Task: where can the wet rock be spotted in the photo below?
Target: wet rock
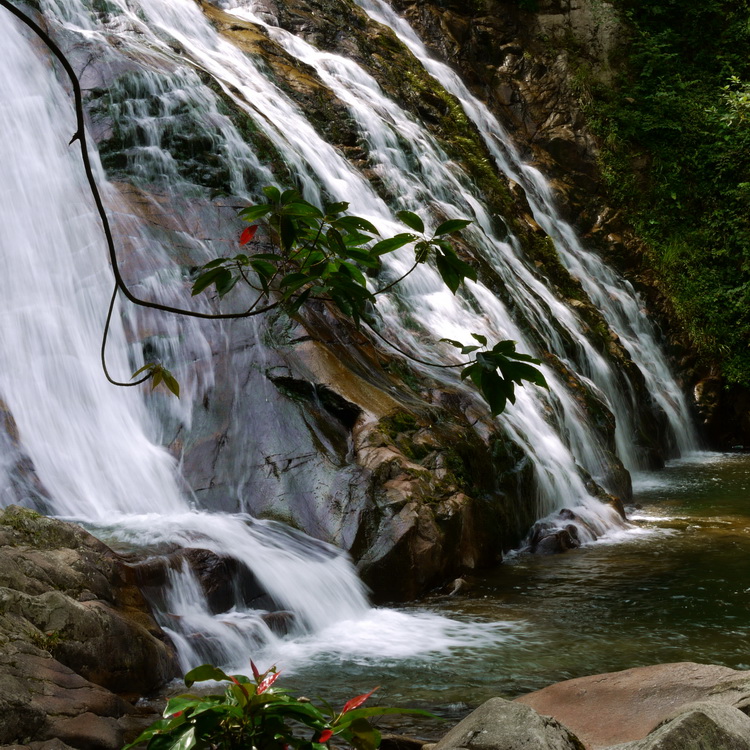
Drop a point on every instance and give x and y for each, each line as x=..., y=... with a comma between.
x=556, y=542
x=281, y=623
x=225, y=581
x=501, y=725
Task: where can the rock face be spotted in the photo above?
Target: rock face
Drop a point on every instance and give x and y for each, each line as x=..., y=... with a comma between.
x=700, y=726
x=619, y=707
x=360, y=450
x=501, y=725
x=76, y=638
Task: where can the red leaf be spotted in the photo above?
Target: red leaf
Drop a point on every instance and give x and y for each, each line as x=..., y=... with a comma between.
x=256, y=673
x=234, y=679
x=247, y=234
x=325, y=735
x=267, y=682
x=358, y=701
x=177, y=713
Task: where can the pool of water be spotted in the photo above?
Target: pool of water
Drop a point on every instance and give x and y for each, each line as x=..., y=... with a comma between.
x=675, y=587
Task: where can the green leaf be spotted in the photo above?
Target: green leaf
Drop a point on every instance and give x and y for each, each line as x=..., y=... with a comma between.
x=353, y=223
x=302, y=209
x=185, y=741
x=411, y=220
x=253, y=213
x=422, y=251
x=364, y=713
x=140, y=370
x=363, y=736
x=157, y=377
x=205, y=280
x=293, y=281
x=447, y=272
x=481, y=339
x=213, y=264
x=288, y=232
x=336, y=208
x=356, y=239
x=493, y=389
x=225, y=281
x=272, y=193
x=171, y=382
x=393, y=243
x=453, y=342
x=453, y=270
x=452, y=225
x=504, y=347
x=290, y=196
x=336, y=242
x=204, y=673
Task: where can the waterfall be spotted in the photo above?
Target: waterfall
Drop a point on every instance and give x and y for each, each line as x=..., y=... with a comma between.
x=96, y=452
x=613, y=296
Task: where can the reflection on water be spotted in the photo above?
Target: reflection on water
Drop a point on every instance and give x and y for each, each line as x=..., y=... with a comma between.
x=677, y=588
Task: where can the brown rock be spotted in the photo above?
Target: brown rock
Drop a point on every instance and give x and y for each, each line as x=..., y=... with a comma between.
x=87, y=731
x=618, y=707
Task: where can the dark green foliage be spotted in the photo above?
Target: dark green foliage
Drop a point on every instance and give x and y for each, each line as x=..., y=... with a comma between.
x=496, y=372
x=320, y=256
x=677, y=155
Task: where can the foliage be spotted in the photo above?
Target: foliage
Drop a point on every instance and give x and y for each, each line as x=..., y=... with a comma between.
x=676, y=137
x=325, y=254
x=496, y=372
x=254, y=714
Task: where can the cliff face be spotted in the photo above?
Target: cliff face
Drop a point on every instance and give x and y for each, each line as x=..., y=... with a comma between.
x=306, y=421
x=536, y=65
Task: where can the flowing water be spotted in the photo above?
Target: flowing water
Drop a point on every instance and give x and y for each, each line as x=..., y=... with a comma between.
x=97, y=451
x=673, y=588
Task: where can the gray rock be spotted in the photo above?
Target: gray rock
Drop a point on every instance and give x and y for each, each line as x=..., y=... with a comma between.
x=501, y=725
x=700, y=726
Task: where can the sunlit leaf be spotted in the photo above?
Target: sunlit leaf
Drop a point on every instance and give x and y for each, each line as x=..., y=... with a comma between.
x=356, y=702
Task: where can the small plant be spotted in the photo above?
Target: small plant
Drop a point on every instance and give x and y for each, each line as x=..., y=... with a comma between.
x=252, y=713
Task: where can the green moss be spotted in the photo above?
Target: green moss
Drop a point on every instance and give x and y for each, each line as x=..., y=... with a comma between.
x=398, y=422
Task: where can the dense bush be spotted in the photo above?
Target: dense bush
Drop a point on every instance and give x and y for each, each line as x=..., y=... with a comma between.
x=676, y=134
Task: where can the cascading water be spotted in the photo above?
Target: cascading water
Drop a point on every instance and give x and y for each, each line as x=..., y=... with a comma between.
x=612, y=295
x=95, y=449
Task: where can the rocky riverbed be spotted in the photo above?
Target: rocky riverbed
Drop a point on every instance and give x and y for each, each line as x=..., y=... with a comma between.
x=79, y=648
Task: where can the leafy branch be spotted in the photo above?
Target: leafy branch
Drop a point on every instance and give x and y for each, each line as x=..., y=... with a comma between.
x=324, y=254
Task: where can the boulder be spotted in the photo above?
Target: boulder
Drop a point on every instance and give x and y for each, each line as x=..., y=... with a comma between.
x=619, y=707
x=699, y=726
x=77, y=639
x=501, y=725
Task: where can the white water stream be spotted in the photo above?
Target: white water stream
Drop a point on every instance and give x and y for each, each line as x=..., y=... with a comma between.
x=96, y=449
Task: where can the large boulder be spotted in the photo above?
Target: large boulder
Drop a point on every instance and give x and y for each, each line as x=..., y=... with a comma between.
x=501, y=725
x=77, y=640
x=619, y=707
